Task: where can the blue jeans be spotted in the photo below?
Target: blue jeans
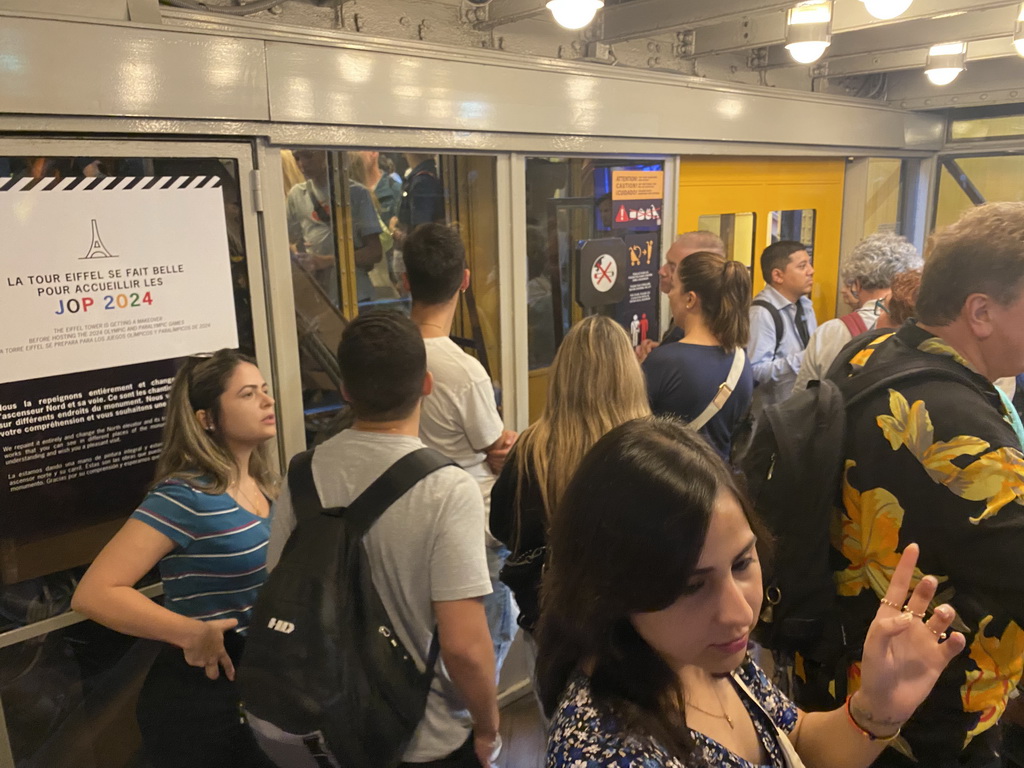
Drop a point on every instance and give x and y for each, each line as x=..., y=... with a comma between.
x=500, y=608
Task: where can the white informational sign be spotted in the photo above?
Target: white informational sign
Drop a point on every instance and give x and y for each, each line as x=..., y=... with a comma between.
x=110, y=276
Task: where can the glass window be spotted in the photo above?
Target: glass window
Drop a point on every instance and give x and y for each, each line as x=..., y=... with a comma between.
x=737, y=231
x=986, y=128
x=72, y=692
x=574, y=206
x=792, y=225
x=348, y=214
x=882, y=205
x=969, y=181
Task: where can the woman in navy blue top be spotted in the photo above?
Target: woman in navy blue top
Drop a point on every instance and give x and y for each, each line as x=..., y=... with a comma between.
x=204, y=524
x=710, y=301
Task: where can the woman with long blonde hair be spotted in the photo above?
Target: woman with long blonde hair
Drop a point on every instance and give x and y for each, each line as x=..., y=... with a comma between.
x=596, y=384
x=204, y=524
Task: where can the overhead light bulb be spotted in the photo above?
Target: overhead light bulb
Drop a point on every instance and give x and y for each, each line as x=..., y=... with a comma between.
x=945, y=61
x=574, y=14
x=808, y=51
x=809, y=30
x=886, y=9
x=1018, y=31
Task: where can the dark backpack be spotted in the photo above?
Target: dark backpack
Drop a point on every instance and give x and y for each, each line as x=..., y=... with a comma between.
x=793, y=467
x=323, y=669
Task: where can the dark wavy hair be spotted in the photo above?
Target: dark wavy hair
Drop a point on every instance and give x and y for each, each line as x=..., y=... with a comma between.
x=626, y=539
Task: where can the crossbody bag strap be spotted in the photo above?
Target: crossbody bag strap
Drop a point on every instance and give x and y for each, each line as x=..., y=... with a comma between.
x=725, y=390
x=776, y=314
x=789, y=752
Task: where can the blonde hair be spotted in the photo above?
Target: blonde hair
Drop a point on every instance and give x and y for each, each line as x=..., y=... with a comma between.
x=193, y=454
x=596, y=384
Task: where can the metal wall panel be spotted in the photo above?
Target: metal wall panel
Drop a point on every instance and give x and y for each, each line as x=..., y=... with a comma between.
x=85, y=68
x=110, y=69
x=327, y=84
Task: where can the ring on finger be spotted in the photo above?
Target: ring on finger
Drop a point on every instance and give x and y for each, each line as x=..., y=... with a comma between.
x=907, y=609
x=891, y=604
x=940, y=635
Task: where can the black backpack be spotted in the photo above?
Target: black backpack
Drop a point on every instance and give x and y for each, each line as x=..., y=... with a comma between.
x=792, y=467
x=323, y=669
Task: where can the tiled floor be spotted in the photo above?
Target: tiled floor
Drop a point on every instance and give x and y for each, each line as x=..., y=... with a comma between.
x=522, y=733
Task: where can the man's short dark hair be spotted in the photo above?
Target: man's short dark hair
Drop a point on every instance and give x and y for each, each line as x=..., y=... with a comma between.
x=776, y=256
x=383, y=363
x=983, y=252
x=435, y=260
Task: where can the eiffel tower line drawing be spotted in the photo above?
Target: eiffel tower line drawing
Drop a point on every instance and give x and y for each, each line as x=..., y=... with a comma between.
x=98, y=250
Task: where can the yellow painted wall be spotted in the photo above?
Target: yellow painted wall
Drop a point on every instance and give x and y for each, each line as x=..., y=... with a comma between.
x=710, y=186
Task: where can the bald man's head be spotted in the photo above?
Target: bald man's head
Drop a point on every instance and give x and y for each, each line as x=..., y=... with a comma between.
x=685, y=244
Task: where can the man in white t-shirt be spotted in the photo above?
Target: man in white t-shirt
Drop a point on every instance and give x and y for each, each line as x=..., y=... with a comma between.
x=460, y=418
x=426, y=552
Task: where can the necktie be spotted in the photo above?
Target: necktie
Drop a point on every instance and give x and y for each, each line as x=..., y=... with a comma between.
x=801, y=325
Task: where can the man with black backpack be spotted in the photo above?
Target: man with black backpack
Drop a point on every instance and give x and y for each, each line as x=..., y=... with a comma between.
x=932, y=454
x=425, y=556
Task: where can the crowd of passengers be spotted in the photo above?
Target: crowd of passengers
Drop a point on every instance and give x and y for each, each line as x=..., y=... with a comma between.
x=620, y=524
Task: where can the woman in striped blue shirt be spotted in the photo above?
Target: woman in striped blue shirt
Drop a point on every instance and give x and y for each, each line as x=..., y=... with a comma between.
x=205, y=525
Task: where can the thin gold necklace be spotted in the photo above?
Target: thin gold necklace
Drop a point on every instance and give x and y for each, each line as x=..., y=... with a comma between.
x=723, y=716
x=248, y=499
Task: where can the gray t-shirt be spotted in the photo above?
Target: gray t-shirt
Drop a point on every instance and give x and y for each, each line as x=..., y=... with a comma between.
x=428, y=546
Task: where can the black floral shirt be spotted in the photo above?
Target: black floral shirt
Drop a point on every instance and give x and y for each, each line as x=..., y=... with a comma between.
x=582, y=735
x=937, y=462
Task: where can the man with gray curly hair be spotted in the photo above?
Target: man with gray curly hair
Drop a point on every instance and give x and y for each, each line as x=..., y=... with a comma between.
x=865, y=277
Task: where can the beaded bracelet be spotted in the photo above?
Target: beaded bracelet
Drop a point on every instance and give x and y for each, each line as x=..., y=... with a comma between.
x=864, y=732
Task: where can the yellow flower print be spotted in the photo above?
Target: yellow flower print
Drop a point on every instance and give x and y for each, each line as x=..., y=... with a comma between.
x=996, y=477
x=937, y=346
x=999, y=661
x=868, y=536
x=861, y=358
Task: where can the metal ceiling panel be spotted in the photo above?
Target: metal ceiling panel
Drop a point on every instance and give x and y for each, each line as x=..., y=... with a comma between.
x=320, y=84
x=85, y=68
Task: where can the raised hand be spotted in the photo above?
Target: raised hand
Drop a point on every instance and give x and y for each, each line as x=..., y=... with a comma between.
x=904, y=652
x=206, y=648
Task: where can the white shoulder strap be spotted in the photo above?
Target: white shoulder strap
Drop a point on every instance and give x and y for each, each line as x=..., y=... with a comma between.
x=725, y=389
x=789, y=752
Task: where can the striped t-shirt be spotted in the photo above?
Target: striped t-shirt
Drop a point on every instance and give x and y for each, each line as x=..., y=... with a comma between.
x=219, y=562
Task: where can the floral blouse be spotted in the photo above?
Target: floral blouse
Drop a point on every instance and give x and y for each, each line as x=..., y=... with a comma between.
x=584, y=736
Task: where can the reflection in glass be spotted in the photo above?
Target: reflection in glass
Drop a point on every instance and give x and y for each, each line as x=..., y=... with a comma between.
x=69, y=698
x=570, y=201
x=792, y=225
x=737, y=231
x=347, y=253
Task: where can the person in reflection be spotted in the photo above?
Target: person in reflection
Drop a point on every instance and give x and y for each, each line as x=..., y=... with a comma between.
x=311, y=227
x=422, y=195
x=204, y=524
x=385, y=188
x=652, y=589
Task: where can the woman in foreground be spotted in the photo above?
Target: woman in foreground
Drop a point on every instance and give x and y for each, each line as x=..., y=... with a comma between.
x=653, y=588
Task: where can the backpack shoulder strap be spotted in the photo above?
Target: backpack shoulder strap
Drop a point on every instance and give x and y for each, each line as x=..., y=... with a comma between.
x=776, y=318
x=394, y=483
x=854, y=323
x=873, y=378
x=305, y=499
x=725, y=389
